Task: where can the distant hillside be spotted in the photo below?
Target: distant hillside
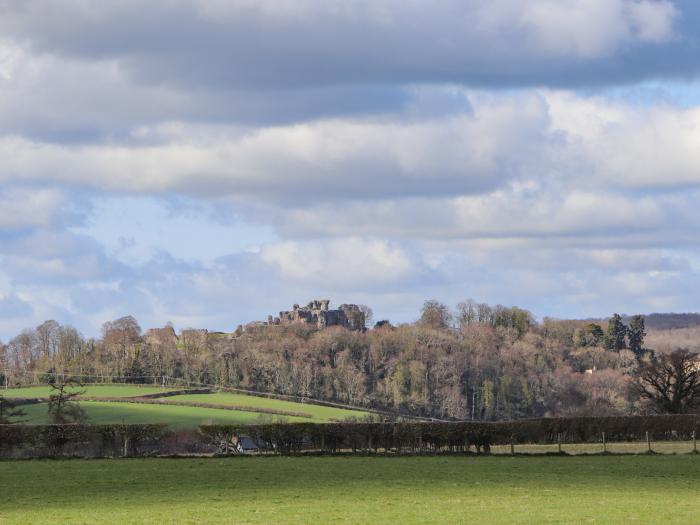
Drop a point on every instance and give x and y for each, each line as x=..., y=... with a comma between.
x=669, y=321
x=656, y=321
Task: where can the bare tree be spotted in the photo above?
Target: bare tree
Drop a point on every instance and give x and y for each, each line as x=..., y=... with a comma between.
x=121, y=337
x=466, y=313
x=435, y=314
x=47, y=338
x=368, y=313
x=670, y=382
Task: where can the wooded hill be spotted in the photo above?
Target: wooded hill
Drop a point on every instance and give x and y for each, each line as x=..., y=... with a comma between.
x=478, y=362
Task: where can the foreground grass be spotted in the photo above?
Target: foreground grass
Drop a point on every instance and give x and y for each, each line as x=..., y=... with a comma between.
x=179, y=417
x=90, y=390
x=406, y=490
x=317, y=412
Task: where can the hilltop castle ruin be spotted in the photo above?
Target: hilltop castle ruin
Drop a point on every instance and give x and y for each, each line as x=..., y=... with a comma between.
x=317, y=313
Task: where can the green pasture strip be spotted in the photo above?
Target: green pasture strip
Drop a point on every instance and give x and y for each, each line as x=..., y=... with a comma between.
x=318, y=412
x=90, y=390
x=179, y=417
x=406, y=490
x=632, y=447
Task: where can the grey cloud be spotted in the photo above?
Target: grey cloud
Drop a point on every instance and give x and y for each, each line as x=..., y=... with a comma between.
x=60, y=99
x=50, y=257
x=272, y=45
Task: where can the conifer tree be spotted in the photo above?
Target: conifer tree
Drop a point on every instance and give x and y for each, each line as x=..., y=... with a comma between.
x=615, y=334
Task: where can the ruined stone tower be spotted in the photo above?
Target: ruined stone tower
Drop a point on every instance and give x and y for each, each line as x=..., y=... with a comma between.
x=317, y=313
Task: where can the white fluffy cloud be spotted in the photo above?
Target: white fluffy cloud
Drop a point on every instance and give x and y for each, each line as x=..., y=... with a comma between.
x=506, y=146
x=351, y=263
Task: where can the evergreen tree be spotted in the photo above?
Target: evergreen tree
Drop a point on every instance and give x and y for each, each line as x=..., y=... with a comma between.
x=63, y=408
x=635, y=335
x=615, y=335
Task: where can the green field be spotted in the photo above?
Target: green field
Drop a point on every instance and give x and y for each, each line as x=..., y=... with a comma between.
x=90, y=390
x=317, y=412
x=178, y=416
x=175, y=416
x=627, y=447
x=484, y=490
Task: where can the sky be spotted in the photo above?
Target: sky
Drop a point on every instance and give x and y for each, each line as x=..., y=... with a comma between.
x=210, y=162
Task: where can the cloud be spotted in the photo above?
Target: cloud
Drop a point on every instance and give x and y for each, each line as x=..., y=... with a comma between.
x=351, y=263
x=352, y=157
x=273, y=45
x=524, y=138
x=12, y=307
x=211, y=162
x=24, y=207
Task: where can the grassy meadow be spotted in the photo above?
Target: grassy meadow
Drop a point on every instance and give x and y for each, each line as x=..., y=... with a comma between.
x=90, y=390
x=407, y=490
x=317, y=412
x=180, y=417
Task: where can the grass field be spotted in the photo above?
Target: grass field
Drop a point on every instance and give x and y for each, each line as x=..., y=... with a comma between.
x=632, y=447
x=90, y=390
x=317, y=412
x=407, y=490
x=175, y=416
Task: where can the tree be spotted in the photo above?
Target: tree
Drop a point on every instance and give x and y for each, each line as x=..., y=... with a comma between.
x=635, y=335
x=670, y=382
x=9, y=410
x=466, y=313
x=591, y=335
x=368, y=313
x=62, y=407
x=435, y=314
x=615, y=334
x=47, y=338
x=121, y=338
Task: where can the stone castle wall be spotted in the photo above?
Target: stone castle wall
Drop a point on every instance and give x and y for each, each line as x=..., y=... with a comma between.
x=318, y=313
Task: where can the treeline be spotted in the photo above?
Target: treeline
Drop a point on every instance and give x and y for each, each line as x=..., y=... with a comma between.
x=477, y=362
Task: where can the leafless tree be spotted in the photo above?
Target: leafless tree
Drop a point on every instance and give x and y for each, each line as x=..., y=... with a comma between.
x=670, y=382
x=47, y=338
x=435, y=314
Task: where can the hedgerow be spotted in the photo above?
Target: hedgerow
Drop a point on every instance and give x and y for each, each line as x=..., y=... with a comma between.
x=361, y=437
x=80, y=440
x=452, y=436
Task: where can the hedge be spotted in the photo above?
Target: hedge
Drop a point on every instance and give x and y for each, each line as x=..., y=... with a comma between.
x=451, y=436
x=79, y=440
x=289, y=438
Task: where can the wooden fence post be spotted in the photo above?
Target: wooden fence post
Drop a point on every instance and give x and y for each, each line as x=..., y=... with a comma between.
x=559, y=442
x=512, y=446
x=605, y=446
x=695, y=443
x=648, y=442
